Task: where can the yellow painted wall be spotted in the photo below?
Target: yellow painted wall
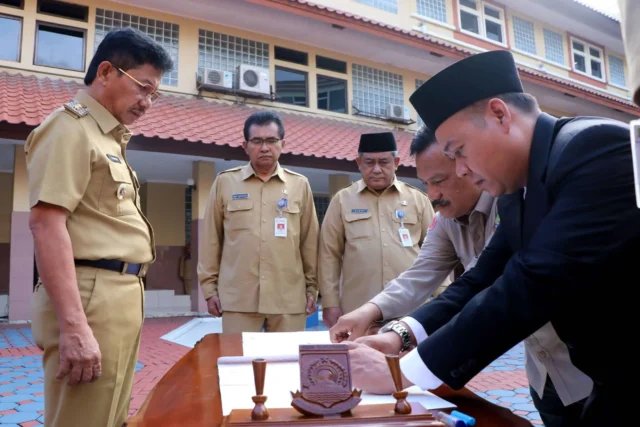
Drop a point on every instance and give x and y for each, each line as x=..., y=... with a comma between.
x=6, y=197
x=165, y=212
x=406, y=18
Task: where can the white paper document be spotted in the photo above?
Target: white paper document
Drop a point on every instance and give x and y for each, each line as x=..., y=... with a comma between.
x=282, y=377
x=261, y=344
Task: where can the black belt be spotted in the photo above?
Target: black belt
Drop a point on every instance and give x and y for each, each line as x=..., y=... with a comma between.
x=122, y=267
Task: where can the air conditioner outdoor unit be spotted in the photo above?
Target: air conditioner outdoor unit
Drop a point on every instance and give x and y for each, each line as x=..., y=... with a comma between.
x=397, y=111
x=253, y=79
x=218, y=78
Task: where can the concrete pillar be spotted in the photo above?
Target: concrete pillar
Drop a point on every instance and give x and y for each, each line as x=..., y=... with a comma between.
x=21, y=254
x=203, y=175
x=337, y=182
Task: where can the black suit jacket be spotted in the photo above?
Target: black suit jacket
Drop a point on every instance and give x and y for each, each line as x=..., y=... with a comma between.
x=559, y=255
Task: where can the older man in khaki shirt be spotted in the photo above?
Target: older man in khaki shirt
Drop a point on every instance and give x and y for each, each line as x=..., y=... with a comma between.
x=92, y=242
x=458, y=235
x=372, y=230
x=257, y=263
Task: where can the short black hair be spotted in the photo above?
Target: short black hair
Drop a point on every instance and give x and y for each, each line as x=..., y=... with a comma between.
x=424, y=139
x=262, y=118
x=128, y=48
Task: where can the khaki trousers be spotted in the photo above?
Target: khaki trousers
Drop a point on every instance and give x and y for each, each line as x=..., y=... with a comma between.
x=235, y=322
x=113, y=304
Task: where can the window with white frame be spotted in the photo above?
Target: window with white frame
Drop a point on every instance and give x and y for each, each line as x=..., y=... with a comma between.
x=482, y=19
x=553, y=46
x=165, y=33
x=587, y=59
x=524, y=35
x=374, y=89
x=225, y=53
x=386, y=5
x=418, y=84
x=433, y=9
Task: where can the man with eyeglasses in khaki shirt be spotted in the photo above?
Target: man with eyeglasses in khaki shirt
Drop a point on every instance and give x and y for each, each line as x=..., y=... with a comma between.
x=257, y=262
x=93, y=244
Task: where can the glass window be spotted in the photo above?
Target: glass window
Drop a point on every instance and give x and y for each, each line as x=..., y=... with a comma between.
x=13, y=3
x=223, y=52
x=524, y=34
x=434, y=9
x=165, y=33
x=331, y=64
x=386, y=5
x=374, y=89
x=587, y=59
x=10, y=31
x=332, y=94
x=554, y=46
x=291, y=55
x=616, y=71
x=63, y=9
x=59, y=47
x=486, y=21
x=291, y=86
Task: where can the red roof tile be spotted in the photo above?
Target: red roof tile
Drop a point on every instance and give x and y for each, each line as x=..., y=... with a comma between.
x=29, y=99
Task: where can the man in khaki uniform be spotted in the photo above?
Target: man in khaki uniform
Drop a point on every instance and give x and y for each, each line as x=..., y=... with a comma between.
x=372, y=230
x=465, y=222
x=257, y=263
x=629, y=18
x=93, y=244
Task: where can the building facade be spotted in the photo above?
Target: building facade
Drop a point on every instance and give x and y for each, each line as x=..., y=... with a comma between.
x=333, y=69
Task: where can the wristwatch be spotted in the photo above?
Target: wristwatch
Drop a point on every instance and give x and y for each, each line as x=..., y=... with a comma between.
x=400, y=329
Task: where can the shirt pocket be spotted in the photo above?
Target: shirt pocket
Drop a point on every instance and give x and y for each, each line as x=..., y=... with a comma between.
x=292, y=213
x=359, y=226
x=118, y=192
x=410, y=222
x=239, y=214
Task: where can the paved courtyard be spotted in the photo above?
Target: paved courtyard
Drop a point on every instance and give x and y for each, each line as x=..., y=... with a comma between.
x=21, y=379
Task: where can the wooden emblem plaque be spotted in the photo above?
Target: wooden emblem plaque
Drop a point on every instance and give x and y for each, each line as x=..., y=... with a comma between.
x=325, y=381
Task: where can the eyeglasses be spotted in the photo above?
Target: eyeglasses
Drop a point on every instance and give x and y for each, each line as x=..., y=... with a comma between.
x=260, y=141
x=145, y=86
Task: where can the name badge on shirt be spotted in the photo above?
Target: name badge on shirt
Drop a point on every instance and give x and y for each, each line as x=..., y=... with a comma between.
x=281, y=227
x=359, y=211
x=405, y=237
x=239, y=196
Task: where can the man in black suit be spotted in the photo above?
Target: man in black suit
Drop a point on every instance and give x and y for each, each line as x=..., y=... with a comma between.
x=569, y=227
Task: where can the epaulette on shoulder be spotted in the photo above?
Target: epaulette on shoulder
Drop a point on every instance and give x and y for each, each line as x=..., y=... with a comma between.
x=77, y=109
x=293, y=173
x=415, y=188
x=230, y=170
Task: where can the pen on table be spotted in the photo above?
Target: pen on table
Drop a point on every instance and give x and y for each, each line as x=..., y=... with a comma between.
x=448, y=420
x=464, y=417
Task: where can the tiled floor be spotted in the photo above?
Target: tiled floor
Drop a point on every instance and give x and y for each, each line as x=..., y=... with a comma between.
x=22, y=394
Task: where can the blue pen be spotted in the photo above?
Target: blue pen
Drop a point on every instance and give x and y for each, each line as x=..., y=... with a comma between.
x=449, y=420
x=464, y=417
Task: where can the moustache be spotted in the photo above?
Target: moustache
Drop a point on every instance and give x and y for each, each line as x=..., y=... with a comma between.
x=442, y=203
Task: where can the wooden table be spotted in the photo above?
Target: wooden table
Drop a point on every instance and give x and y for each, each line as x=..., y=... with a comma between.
x=189, y=394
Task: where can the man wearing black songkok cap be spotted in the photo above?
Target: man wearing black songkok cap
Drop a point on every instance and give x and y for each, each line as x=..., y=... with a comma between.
x=569, y=222
x=360, y=238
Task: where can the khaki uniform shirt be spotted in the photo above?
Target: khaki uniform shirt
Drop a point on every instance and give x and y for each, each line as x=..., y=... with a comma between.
x=359, y=239
x=629, y=18
x=452, y=241
x=76, y=159
x=241, y=260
